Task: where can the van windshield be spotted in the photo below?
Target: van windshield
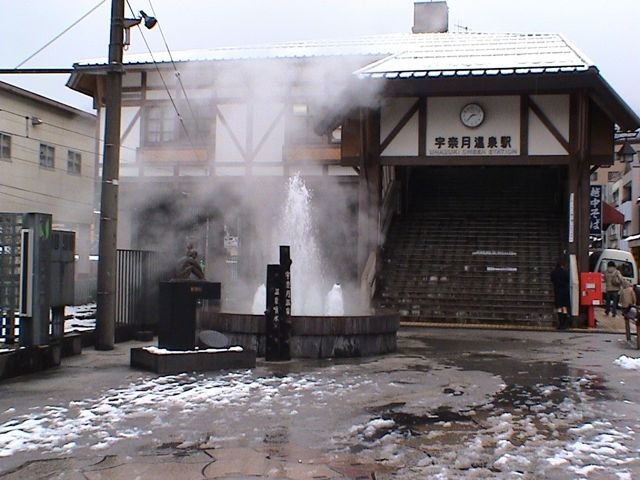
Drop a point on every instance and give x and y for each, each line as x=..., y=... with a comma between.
x=593, y=260
x=626, y=268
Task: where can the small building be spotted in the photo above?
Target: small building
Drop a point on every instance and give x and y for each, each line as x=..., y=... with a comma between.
x=48, y=164
x=449, y=170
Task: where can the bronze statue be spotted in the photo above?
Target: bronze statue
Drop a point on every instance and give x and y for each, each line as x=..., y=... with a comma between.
x=188, y=265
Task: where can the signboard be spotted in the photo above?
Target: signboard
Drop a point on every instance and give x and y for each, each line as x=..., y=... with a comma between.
x=492, y=144
x=473, y=126
x=571, y=217
x=278, y=313
x=595, y=210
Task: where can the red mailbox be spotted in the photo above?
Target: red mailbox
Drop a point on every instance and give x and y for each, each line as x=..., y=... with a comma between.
x=590, y=288
x=591, y=294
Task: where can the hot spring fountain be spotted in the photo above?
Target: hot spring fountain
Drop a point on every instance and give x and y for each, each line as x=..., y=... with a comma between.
x=319, y=326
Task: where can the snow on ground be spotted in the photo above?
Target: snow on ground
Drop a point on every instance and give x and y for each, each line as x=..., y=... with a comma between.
x=628, y=362
x=398, y=417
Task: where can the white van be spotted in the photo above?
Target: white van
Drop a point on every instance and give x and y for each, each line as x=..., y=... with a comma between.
x=624, y=261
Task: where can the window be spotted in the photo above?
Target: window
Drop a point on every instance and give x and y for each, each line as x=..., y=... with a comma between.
x=5, y=146
x=626, y=192
x=162, y=124
x=74, y=162
x=47, y=156
x=158, y=125
x=301, y=125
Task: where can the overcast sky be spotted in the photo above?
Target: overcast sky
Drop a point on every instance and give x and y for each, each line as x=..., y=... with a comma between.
x=607, y=32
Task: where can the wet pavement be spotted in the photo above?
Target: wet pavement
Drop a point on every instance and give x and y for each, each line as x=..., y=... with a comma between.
x=451, y=403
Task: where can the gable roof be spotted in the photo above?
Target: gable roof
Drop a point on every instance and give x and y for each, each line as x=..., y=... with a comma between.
x=421, y=56
x=480, y=54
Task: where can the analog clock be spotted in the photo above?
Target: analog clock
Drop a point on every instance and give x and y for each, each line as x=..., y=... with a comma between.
x=472, y=115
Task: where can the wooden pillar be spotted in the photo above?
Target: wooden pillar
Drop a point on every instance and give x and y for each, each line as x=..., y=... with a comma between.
x=579, y=180
x=369, y=188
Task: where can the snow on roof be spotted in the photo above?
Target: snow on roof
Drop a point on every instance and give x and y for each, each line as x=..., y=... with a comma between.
x=481, y=54
x=412, y=54
x=367, y=45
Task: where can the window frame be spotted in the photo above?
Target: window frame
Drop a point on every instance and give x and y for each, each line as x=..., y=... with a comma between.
x=74, y=159
x=161, y=125
x=47, y=155
x=5, y=148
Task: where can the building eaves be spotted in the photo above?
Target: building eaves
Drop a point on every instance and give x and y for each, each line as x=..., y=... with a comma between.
x=7, y=87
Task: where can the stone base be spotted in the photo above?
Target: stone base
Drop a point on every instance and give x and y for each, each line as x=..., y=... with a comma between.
x=311, y=336
x=190, y=361
x=71, y=344
x=22, y=361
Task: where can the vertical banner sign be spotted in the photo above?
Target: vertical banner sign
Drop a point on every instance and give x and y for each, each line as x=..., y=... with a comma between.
x=285, y=299
x=278, y=312
x=595, y=210
x=272, y=314
x=571, y=218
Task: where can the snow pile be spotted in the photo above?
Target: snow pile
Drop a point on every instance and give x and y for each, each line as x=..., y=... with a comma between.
x=79, y=318
x=164, y=351
x=628, y=362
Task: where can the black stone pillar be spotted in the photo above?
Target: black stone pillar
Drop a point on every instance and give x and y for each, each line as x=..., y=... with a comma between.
x=278, y=313
x=178, y=301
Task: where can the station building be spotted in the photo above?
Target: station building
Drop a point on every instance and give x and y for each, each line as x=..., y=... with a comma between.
x=449, y=171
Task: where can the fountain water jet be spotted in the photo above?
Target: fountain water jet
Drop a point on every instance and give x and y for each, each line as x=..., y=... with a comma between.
x=259, y=300
x=335, y=303
x=319, y=329
x=297, y=230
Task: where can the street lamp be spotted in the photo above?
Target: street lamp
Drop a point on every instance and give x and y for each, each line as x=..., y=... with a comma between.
x=107, y=245
x=149, y=22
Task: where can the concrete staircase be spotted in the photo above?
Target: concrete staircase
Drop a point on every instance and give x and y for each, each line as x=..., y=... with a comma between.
x=473, y=257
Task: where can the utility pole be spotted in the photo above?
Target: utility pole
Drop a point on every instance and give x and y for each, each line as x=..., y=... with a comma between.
x=106, y=311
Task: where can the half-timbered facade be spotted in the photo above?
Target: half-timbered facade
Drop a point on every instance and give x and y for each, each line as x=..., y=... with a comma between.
x=441, y=163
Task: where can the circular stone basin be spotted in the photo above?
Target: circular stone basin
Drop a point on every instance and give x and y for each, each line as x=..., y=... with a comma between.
x=311, y=336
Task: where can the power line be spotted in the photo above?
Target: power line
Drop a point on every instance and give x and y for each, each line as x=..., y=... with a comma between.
x=56, y=169
x=59, y=35
x=29, y=205
x=48, y=142
x=47, y=195
x=177, y=74
x=26, y=117
x=166, y=87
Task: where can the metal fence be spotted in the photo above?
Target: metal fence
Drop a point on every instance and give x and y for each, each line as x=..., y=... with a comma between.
x=10, y=227
x=138, y=273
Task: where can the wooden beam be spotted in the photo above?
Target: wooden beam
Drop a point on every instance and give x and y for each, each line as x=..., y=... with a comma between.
x=549, y=124
x=524, y=125
x=422, y=127
x=401, y=124
x=467, y=160
x=269, y=131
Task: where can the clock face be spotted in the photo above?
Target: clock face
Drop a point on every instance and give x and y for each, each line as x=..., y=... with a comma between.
x=472, y=115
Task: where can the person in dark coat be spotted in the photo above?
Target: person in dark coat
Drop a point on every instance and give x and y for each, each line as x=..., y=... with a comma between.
x=562, y=301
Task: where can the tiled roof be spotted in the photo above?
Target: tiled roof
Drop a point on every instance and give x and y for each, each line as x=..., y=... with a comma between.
x=481, y=54
x=376, y=45
x=406, y=54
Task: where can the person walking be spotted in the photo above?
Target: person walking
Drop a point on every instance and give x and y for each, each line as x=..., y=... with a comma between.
x=627, y=297
x=562, y=301
x=612, y=284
